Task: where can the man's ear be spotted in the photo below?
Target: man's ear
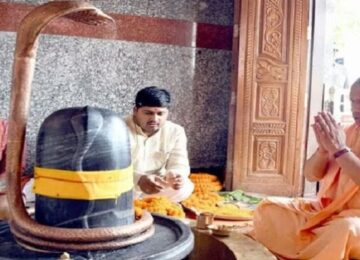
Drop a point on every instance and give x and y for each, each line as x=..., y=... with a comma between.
x=135, y=109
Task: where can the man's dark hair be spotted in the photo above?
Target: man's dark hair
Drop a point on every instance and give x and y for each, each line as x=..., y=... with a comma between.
x=152, y=97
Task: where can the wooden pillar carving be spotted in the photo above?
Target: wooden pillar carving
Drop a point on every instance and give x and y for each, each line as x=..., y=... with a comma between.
x=265, y=150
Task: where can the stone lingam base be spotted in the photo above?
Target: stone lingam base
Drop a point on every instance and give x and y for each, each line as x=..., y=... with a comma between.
x=172, y=240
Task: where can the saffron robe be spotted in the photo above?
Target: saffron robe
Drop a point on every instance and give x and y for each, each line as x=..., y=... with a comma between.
x=327, y=227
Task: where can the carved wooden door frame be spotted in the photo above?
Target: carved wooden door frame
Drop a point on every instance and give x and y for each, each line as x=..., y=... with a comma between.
x=267, y=110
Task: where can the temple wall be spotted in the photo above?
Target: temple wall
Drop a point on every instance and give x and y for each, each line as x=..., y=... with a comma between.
x=183, y=46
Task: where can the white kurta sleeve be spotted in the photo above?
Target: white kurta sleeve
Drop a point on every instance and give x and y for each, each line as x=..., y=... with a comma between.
x=178, y=161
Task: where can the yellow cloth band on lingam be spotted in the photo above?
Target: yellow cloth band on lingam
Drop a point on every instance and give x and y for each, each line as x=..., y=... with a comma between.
x=85, y=185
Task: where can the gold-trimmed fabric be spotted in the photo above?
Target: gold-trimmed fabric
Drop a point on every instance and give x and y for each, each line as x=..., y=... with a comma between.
x=86, y=185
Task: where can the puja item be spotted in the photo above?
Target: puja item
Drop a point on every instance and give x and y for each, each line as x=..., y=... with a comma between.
x=205, y=182
x=160, y=205
x=206, y=198
x=204, y=220
x=240, y=196
x=221, y=230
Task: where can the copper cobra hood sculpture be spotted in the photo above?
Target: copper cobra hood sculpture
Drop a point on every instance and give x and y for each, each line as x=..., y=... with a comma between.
x=24, y=228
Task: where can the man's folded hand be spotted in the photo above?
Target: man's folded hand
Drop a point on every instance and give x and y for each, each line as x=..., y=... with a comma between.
x=176, y=181
x=151, y=184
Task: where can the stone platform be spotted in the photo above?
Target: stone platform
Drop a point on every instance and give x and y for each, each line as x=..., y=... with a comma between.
x=172, y=240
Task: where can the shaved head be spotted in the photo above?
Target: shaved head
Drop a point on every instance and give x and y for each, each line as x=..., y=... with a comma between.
x=355, y=100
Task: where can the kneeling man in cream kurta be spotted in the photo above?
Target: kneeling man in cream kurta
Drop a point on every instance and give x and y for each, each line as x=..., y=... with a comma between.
x=158, y=147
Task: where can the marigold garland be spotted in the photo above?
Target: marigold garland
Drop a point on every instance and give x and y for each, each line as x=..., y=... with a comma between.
x=206, y=199
x=205, y=182
x=160, y=205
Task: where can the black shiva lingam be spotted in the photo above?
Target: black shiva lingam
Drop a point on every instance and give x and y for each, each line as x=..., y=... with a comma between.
x=83, y=175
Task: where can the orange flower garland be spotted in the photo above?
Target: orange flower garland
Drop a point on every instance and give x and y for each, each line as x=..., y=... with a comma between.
x=206, y=199
x=160, y=205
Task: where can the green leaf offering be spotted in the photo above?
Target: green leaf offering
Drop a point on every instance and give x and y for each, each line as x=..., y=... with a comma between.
x=239, y=195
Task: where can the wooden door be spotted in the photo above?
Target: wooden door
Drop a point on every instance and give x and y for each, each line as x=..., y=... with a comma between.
x=267, y=110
